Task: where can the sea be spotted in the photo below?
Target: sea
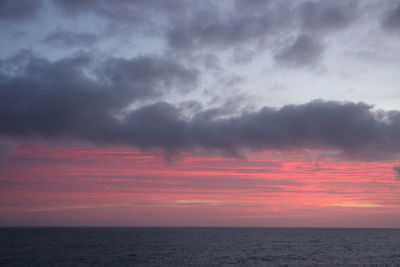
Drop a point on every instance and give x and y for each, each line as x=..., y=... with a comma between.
x=199, y=247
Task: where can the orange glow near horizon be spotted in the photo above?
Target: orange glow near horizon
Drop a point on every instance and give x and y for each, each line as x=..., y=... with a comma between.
x=44, y=185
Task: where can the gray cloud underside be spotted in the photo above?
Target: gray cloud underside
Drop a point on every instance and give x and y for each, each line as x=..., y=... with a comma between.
x=66, y=98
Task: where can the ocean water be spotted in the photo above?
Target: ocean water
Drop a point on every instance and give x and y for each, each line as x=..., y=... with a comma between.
x=198, y=247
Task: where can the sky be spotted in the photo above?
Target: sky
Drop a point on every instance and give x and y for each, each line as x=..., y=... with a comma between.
x=264, y=113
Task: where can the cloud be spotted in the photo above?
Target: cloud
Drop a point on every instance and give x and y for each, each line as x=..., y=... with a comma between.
x=210, y=27
x=190, y=25
x=64, y=98
x=19, y=10
x=245, y=28
x=253, y=5
x=327, y=16
x=126, y=15
x=63, y=38
x=53, y=100
x=391, y=20
x=305, y=51
x=75, y=6
x=349, y=127
x=196, y=25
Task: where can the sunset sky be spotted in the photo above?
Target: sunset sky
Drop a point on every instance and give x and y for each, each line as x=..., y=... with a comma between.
x=275, y=113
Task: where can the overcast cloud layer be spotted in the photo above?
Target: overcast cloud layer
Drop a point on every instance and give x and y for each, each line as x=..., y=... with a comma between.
x=160, y=74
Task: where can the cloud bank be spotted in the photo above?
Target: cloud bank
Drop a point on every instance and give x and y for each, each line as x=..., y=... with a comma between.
x=79, y=97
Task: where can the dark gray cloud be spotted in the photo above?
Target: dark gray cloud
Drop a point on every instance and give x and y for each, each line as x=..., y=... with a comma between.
x=76, y=6
x=256, y=6
x=19, y=10
x=67, y=39
x=250, y=22
x=59, y=99
x=44, y=98
x=245, y=27
x=391, y=20
x=305, y=51
x=125, y=15
x=209, y=26
x=147, y=76
x=349, y=127
x=107, y=8
x=190, y=25
x=326, y=16
x=203, y=24
x=122, y=9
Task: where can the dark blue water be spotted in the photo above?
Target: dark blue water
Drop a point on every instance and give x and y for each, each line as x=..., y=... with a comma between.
x=198, y=247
